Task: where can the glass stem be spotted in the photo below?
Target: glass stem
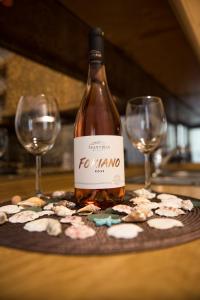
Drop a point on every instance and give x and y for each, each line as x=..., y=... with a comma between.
x=38, y=176
x=147, y=169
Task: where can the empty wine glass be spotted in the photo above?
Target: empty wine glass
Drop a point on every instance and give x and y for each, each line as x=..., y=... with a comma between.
x=146, y=126
x=3, y=141
x=37, y=124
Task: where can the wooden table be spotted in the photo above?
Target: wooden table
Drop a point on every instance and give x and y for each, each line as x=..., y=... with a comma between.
x=172, y=273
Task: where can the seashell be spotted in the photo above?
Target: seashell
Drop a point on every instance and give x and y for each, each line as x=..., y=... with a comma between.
x=48, y=206
x=3, y=218
x=79, y=232
x=150, y=206
x=85, y=213
x=123, y=208
x=143, y=209
x=169, y=211
x=89, y=208
x=74, y=220
x=140, y=200
x=108, y=221
x=16, y=199
x=54, y=227
x=46, y=213
x=124, y=231
x=164, y=223
x=10, y=209
x=145, y=193
x=187, y=205
x=63, y=211
x=66, y=203
x=37, y=225
x=33, y=201
x=164, y=197
x=58, y=194
x=175, y=203
x=24, y=216
x=135, y=216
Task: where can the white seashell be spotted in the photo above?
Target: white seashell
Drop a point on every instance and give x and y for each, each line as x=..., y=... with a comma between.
x=187, y=205
x=164, y=223
x=37, y=225
x=10, y=209
x=151, y=205
x=79, y=232
x=175, y=203
x=63, y=211
x=3, y=218
x=140, y=200
x=124, y=231
x=164, y=197
x=24, y=216
x=33, y=202
x=58, y=194
x=54, y=227
x=74, y=220
x=89, y=208
x=145, y=193
x=46, y=213
x=123, y=208
x=169, y=211
x=143, y=209
x=48, y=206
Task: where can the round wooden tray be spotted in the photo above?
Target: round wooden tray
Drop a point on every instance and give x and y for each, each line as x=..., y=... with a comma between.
x=13, y=235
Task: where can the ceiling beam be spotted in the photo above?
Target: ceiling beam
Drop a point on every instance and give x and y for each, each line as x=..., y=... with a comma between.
x=47, y=32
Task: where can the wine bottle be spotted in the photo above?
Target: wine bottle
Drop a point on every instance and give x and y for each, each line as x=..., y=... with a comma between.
x=98, y=144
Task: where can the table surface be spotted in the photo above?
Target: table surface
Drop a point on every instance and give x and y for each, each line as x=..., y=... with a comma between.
x=172, y=273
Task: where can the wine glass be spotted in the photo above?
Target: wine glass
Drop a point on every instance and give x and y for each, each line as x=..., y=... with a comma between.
x=37, y=124
x=146, y=126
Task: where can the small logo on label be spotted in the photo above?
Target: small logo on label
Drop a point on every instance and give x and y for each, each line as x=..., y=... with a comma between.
x=98, y=146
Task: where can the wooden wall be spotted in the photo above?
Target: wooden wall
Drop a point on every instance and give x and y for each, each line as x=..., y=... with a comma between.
x=26, y=77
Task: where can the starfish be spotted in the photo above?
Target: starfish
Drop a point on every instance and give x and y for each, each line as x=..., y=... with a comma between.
x=108, y=221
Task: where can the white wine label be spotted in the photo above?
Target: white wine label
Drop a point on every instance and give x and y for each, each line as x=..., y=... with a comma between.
x=99, y=162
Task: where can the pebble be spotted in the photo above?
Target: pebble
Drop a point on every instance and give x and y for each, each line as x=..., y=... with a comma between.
x=16, y=199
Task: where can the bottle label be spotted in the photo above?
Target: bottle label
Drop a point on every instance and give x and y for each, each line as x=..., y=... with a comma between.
x=99, y=162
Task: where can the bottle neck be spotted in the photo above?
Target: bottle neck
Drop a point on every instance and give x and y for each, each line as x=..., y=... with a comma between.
x=97, y=73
